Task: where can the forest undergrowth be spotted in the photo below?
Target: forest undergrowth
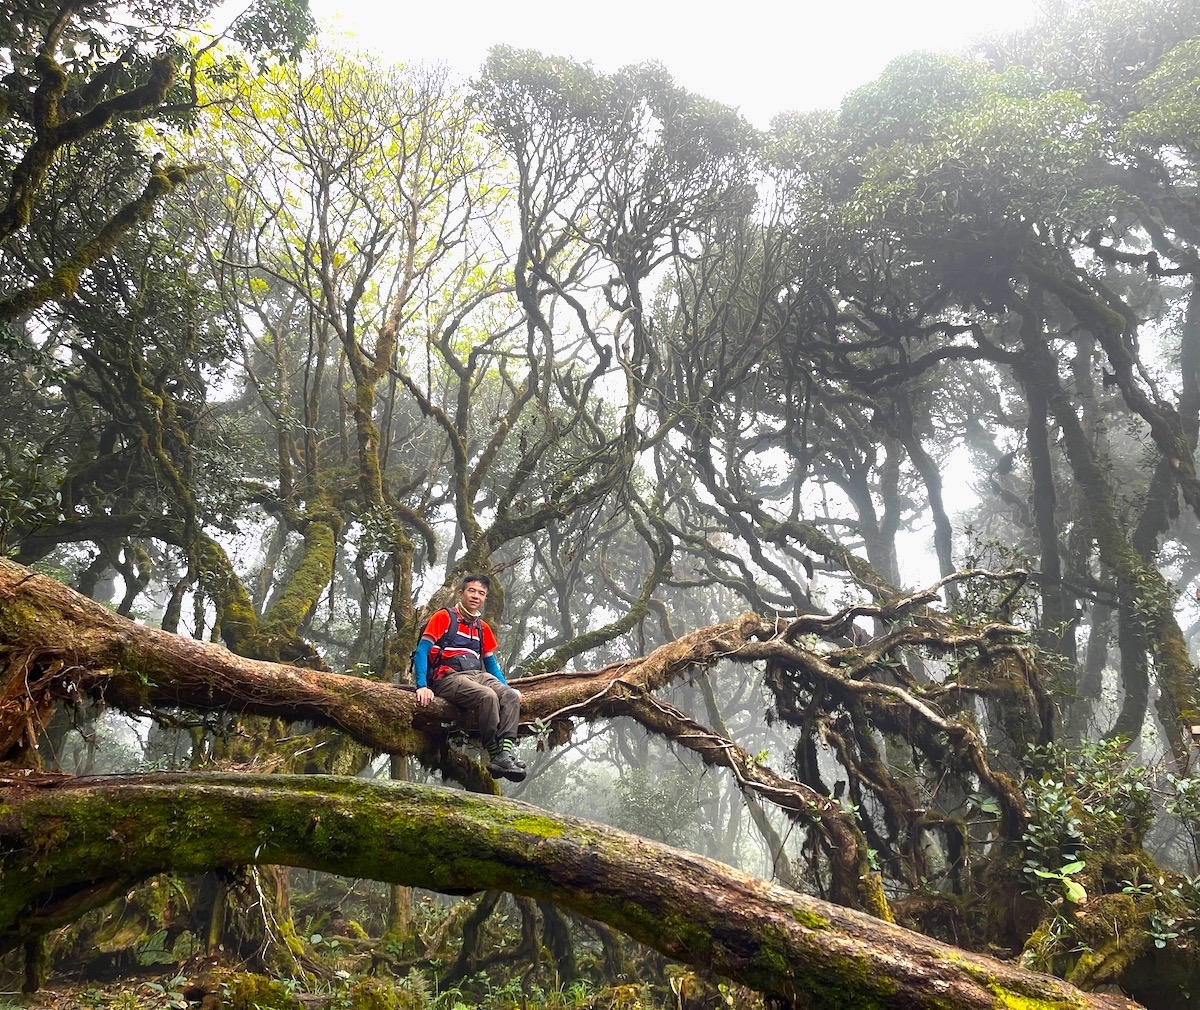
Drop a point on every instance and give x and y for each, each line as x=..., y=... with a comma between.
x=339, y=965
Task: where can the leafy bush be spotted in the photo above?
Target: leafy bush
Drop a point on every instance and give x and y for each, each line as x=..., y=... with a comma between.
x=1087, y=800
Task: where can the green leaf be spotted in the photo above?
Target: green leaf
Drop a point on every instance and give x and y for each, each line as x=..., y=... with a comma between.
x=1074, y=892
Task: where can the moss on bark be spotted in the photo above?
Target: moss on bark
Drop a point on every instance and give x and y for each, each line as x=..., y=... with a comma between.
x=57, y=843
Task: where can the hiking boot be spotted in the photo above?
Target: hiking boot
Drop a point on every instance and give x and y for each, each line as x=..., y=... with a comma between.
x=503, y=765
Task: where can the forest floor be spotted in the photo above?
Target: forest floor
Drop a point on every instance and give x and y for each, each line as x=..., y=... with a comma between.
x=229, y=992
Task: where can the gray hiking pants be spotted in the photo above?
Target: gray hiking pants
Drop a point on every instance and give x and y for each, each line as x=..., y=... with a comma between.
x=494, y=704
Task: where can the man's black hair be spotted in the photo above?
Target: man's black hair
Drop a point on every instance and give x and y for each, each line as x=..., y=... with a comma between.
x=470, y=577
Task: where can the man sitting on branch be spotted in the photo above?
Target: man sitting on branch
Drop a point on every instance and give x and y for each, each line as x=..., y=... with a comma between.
x=456, y=661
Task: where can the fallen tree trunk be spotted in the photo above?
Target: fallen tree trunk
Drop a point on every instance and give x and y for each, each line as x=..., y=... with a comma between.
x=68, y=844
x=55, y=643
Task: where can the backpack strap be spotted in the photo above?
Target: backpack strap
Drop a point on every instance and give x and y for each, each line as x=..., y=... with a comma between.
x=449, y=636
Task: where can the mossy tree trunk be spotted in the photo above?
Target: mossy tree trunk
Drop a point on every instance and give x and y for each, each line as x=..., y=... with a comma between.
x=70, y=844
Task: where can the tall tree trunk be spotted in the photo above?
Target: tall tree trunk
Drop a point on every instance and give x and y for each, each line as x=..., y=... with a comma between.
x=1142, y=584
x=400, y=898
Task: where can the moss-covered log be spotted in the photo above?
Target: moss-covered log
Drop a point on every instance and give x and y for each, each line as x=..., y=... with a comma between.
x=67, y=843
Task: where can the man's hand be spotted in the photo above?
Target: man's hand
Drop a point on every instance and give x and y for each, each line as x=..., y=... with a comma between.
x=424, y=696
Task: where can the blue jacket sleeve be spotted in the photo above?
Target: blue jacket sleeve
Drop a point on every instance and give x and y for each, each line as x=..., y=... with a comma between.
x=421, y=662
x=493, y=667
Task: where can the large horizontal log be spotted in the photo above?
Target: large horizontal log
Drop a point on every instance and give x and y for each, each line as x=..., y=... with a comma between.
x=55, y=642
x=68, y=843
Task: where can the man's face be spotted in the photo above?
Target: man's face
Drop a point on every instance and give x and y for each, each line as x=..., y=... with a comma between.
x=472, y=597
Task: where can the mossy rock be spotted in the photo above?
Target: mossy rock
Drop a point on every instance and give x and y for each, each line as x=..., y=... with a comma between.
x=373, y=994
x=1109, y=933
x=256, y=992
